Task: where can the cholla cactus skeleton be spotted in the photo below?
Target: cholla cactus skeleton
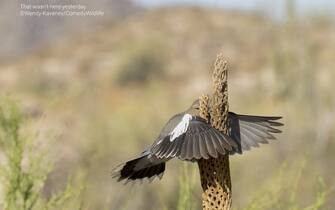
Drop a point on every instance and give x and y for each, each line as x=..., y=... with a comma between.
x=215, y=172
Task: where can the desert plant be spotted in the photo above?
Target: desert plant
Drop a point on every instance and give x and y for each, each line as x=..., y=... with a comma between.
x=283, y=190
x=185, y=199
x=25, y=169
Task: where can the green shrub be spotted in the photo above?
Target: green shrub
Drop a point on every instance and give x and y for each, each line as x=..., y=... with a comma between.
x=282, y=192
x=25, y=170
x=185, y=200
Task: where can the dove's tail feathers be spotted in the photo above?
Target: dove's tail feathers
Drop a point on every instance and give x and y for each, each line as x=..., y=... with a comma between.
x=139, y=169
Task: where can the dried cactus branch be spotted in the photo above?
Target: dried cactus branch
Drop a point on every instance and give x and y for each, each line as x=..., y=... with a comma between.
x=215, y=172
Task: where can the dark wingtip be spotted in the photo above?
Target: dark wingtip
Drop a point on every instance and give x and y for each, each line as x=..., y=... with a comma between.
x=275, y=123
x=274, y=117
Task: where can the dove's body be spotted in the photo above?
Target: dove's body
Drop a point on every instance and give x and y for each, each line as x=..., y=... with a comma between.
x=189, y=137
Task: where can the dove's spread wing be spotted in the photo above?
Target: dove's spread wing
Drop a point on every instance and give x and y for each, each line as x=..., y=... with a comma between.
x=191, y=138
x=250, y=131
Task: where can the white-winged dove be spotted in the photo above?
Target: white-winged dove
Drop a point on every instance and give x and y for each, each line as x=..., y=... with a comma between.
x=189, y=137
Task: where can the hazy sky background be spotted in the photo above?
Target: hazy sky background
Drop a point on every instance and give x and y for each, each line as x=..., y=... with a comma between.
x=273, y=8
x=22, y=35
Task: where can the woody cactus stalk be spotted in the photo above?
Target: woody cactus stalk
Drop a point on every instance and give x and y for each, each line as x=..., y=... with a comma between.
x=215, y=172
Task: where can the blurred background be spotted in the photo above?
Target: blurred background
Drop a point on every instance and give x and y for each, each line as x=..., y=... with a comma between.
x=98, y=89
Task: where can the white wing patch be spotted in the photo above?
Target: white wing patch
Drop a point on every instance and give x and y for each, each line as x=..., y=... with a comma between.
x=181, y=127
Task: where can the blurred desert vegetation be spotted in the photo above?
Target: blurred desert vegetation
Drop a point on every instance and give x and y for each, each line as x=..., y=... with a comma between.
x=95, y=98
